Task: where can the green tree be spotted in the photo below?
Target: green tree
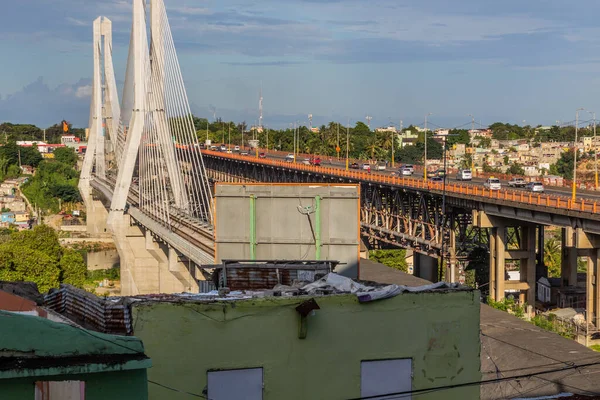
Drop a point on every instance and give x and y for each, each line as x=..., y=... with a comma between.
x=552, y=256
x=42, y=238
x=65, y=155
x=392, y=258
x=479, y=261
x=72, y=268
x=516, y=169
x=23, y=263
x=564, y=165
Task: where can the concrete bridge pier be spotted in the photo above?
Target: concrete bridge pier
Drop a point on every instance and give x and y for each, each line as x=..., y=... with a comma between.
x=147, y=267
x=578, y=243
x=521, y=247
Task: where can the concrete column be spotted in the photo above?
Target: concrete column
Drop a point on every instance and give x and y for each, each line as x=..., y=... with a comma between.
x=528, y=264
x=569, y=258
x=451, y=268
x=500, y=239
x=541, y=269
x=492, y=272
x=96, y=215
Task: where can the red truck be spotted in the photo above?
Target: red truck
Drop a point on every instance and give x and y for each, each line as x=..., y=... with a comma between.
x=316, y=161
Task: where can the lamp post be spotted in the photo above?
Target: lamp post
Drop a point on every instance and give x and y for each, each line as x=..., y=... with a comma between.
x=594, y=143
x=425, y=157
x=574, y=185
x=472, y=158
x=443, y=219
x=347, y=142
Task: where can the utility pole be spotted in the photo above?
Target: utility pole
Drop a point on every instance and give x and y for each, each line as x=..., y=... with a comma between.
x=242, y=129
x=207, y=139
x=229, y=138
x=574, y=185
x=595, y=153
x=347, y=142
x=369, y=118
x=472, y=155
x=425, y=158
x=19, y=152
x=267, y=139
x=294, y=142
x=44, y=136
x=337, y=147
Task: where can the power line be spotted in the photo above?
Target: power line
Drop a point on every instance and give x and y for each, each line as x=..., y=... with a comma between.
x=478, y=383
x=177, y=390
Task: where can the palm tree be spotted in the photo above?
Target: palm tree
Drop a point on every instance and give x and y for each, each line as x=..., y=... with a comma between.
x=552, y=256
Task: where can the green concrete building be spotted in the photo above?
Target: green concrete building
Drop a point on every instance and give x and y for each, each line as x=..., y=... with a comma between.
x=254, y=347
x=43, y=359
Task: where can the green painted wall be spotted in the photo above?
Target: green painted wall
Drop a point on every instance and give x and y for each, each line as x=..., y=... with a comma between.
x=439, y=331
x=122, y=385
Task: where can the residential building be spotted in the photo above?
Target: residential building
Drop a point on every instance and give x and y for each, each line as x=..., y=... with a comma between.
x=303, y=341
x=7, y=218
x=47, y=357
x=512, y=347
x=391, y=129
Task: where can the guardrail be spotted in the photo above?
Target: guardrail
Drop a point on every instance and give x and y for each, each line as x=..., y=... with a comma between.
x=536, y=199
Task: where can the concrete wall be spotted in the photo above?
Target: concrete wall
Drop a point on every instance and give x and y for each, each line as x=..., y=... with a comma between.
x=284, y=232
x=104, y=259
x=439, y=331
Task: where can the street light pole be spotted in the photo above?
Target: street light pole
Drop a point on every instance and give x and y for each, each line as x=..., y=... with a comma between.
x=472, y=158
x=347, y=142
x=425, y=158
x=574, y=185
x=595, y=153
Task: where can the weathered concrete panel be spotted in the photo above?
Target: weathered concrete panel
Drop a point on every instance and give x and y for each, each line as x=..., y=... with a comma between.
x=286, y=223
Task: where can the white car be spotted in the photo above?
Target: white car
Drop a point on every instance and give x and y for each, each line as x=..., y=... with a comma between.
x=289, y=158
x=366, y=167
x=306, y=161
x=380, y=167
x=236, y=148
x=535, y=187
x=406, y=171
x=492, y=184
x=410, y=167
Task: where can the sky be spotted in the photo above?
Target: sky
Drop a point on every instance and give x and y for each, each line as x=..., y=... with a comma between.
x=535, y=61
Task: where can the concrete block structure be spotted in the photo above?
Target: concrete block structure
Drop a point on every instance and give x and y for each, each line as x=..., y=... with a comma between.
x=252, y=346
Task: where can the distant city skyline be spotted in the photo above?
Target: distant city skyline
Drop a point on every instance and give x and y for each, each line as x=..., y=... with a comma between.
x=390, y=59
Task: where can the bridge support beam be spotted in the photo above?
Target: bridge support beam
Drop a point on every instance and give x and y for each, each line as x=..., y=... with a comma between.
x=521, y=248
x=147, y=266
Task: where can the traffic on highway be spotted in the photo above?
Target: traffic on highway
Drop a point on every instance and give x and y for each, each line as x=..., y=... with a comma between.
x=408, y=170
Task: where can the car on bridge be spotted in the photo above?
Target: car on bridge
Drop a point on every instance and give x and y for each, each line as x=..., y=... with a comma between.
x=405, y=171
x=262, y=155
x=243, y=153
x=354, y=166
x=464, y=175
x=492, y=184
x=366, y=167
x=289, y=158
x=437, y=179
x=316, y=161
x=223, y=147
x=380, y=167
x=517, y=183
x=236, y=148
x=535, y=187
x=410, y=167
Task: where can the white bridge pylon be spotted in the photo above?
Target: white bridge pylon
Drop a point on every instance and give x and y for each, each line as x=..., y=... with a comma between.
x=151, y=136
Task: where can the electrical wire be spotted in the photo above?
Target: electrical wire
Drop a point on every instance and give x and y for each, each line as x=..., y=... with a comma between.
x=472, y=383
x=177, y=390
